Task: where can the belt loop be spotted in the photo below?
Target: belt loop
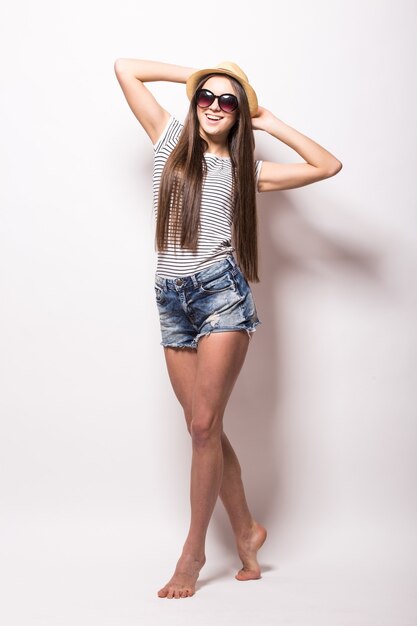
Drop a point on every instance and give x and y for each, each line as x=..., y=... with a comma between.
x=160, y=281
x=194, y=279
x=231, y=261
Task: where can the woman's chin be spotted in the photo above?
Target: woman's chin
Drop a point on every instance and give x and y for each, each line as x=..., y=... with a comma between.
x=214, y=129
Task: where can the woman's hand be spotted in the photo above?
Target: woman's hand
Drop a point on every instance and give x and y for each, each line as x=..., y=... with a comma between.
x=263, y=120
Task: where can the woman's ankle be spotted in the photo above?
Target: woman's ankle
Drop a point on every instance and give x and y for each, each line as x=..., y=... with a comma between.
x=193, y=551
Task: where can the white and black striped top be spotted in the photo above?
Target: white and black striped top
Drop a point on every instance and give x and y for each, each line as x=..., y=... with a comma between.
x=215, y=239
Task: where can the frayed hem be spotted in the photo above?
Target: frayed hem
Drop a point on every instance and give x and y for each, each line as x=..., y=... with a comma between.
x=178, y=345
x=249, y=331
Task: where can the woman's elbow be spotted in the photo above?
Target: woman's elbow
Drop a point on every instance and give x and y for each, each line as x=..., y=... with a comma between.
x=335, y=168
x=120, y=65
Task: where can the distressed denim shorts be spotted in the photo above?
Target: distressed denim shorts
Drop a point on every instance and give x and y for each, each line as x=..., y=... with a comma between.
x=216, y=299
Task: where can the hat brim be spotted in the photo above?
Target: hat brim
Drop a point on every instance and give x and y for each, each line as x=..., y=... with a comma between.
x=194, y=79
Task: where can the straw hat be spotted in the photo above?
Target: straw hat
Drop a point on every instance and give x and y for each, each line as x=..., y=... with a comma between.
x=230, y=69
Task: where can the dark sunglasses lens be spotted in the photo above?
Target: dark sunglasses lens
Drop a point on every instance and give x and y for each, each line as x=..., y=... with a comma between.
x=204, y=98
x=228, y=103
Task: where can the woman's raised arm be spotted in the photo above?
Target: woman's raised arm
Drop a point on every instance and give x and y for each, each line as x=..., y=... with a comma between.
x=132, y=73
x=277, y=176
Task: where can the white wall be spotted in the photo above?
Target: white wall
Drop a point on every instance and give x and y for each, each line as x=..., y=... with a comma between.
x=323, y=416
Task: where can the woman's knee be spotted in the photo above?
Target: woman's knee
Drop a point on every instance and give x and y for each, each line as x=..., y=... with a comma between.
x=205, y=429
x=188, y=419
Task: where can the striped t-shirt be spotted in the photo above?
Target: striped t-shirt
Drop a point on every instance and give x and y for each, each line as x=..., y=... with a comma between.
x=215, y=237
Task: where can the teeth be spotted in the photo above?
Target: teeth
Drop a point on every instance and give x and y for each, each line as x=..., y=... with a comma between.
x=212, y=117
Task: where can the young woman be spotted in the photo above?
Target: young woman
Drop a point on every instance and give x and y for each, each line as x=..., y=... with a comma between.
x=205, y=182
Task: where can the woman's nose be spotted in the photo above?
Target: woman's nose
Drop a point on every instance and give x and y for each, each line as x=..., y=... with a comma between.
x=215, y=104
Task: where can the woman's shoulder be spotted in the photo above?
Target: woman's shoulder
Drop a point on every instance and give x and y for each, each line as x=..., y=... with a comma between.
x=170, y=134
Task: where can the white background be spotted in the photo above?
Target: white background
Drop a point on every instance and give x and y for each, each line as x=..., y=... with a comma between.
x=94, y=450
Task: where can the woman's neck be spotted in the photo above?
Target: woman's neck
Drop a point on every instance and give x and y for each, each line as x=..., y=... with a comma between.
x=216, y=145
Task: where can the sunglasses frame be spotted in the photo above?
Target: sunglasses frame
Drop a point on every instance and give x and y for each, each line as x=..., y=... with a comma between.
x=211, y=94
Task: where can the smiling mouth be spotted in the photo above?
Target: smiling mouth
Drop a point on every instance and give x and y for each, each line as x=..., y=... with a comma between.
x=213, y=118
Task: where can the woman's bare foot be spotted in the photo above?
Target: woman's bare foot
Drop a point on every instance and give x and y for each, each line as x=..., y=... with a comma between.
x=182, y=584
x=248, y=546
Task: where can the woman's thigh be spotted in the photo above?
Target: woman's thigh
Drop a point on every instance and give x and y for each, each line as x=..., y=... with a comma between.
x=220, y=357
x=182, y=369
x=203, y=379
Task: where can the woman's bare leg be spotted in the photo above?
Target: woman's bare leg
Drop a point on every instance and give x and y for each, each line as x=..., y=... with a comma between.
x=249, y=534
x=203, y=381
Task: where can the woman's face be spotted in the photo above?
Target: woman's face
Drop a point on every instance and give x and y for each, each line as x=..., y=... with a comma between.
x=213, y=121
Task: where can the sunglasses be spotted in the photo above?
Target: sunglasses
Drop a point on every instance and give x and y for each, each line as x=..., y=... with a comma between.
x=227, y=101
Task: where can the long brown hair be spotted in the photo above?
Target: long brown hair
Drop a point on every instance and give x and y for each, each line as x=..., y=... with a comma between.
x=179, y=197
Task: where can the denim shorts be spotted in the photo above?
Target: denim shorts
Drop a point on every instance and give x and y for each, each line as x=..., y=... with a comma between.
x=216, y=299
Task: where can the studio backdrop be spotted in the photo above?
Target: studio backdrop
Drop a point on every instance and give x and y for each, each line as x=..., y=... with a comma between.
x=94, y=448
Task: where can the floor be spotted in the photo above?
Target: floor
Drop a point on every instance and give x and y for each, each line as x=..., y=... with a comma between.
x=89, y=573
